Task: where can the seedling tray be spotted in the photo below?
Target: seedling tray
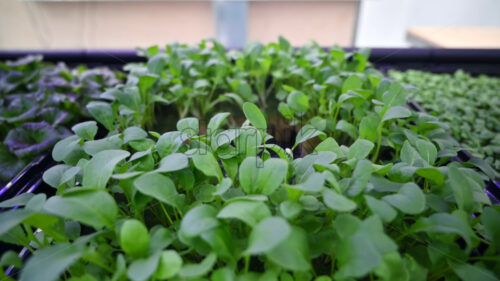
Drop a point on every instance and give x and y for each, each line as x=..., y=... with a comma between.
x=29, y=179
x=492, y=186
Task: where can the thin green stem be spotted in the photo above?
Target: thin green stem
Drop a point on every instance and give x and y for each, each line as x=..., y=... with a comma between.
x=336, y=114
x=31, y=236
x=247, y=263
x=166, y=213
x=379, y=141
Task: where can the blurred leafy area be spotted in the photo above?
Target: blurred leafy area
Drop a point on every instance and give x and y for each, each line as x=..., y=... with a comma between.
x=469, y=106
x=38, y=100
x=300, y=90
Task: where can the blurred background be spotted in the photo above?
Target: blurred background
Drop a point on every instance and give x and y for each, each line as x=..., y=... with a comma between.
x=126, y=24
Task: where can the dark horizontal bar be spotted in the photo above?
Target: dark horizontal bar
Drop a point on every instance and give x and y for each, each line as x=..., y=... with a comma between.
x=91, y=57
x=377, y=55
x=435, y=55
x=475, y=61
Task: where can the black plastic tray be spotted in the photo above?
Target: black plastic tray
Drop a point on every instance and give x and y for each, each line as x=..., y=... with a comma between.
x=29, y=179
x=474, y=61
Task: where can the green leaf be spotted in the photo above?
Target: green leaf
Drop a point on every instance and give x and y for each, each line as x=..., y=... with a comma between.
x=223, y=274
x=49, y=263
x=285, y=110
x=483, y=166
x=143, y=269
x=469, y=272
x=68, y=150
x=432, y=174
x=190, y=271
x=352, y=83
x=258, y=177
x=360, y=149
x=156, y=64
x=363, y=250
x=201, y=83
x=368, y=127
x=159, y=187
x=381, y=209
x=19, y=200
x=173, y=162
x=461, y=189
x=318, y=123
x=12, y=218
x=134, y=238
x=314, y=183
x=103, y=113
x=330, y=144
x=490, y=218
x=444, y=223
x=11, y=258
x=277, y=149
x=427, y=150
x=133, y=133
x=160, y=238
x=335, y=81
x=306, y=133
x=250, y=212
x=169, y=143
x=394, y=96
x=59, y=175
x=396, y=112
x=248, y=141
x=350, y=95
x=223, y=186
x=216, y=122
x=223, y=138
x=347, y=128
x=410, y=156
x=392, y=268
x=284, y=44
x=360, y=177
x=255, y=116
x=92, y=207
x=170, y=264
x=96, y=146
x=337, y=202
x=416, y=271
x=85, y=130
x=290, y=209
x=120, y=268
x=410, y=199
x=146, y=82
x=293, y=252
x=198, y=220
x=267, y=234
x=189, y=126
x=298, y=101
x=205, y=161
x=99, y=169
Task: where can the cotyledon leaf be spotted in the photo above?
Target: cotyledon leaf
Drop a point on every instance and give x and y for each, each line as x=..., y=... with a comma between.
x=99, y=169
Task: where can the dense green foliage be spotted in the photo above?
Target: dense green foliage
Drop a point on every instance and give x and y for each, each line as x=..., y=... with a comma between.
x=470, y=106
x=215, y=198
x=38, y=100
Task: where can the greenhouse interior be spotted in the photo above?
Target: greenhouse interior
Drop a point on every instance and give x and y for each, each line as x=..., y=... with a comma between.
x=249, y=140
